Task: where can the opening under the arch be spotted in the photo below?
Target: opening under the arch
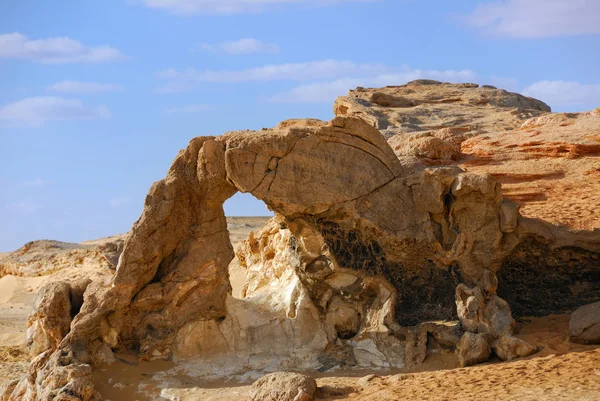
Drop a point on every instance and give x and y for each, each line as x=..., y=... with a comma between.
x=244, y=214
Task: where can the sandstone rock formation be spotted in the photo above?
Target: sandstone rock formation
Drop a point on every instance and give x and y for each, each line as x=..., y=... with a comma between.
x=547, y=162
x=584, y=326
x=284, y=387
x=485, y=314
x=473, y=349
x=55, y=305
x=365, y=242
x=41, y=258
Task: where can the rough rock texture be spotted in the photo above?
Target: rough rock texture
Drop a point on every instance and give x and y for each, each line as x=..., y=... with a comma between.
x=283, y=386
x=549, y=165
x=41, y=258
x=49, y=323
x=473, y=349
x=547, y=162
x=446, y=335
x=54, y=307
x=365, y=241
x=584, y=326
x=484, y=313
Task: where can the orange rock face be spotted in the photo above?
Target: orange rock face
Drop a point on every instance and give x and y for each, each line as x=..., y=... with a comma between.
x=549, y=163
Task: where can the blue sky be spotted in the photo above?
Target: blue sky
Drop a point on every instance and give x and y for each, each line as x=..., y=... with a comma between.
x=97, y=97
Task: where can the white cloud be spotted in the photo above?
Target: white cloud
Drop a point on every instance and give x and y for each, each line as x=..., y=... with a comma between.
x=26, y=206
x=57, y=50
x=192, y=7
x=326, y=92
x=119, y=201
x=38, y=182
x=537, y=18
x=39, y=110
x=565, y=94
x=174, y=87
x=241, y=46
x=325, y=69
x=83, y=87
x=192, y=108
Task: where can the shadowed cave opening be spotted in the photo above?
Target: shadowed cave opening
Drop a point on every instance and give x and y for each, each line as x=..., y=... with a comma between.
x=425, y=292
x=537, y=280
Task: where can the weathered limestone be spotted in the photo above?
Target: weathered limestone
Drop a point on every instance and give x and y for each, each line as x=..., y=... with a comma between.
x=49, y=323
x=584, y=326
x=54, y=307
x=283, y=386
x=487, y=318
x=473, y=349
x=367, y=238
x=349, y=211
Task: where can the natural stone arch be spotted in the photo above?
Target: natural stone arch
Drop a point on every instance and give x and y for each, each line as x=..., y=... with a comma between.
x=338, y=184
x=180, y=248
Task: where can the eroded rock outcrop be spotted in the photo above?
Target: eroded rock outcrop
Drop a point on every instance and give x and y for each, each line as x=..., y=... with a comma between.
x=365, y=241
x=546, y=162
x=55, y=305
x=488, y=322
x=45, y=257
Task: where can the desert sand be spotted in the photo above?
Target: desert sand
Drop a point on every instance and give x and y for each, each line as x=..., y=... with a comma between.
x=560, y=371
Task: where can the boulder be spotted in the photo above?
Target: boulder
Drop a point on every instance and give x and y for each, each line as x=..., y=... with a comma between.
x=584, y=326
x=487, y=318
x=49, y=322
x=509, y=347
x=284, y=386
x=473, y=349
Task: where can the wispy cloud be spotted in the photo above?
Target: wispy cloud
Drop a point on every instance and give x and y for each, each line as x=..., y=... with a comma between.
x=83, y=87
x=56, y=50
x=241, y=46
x=565, y=94
x=174, y=87
x=193, y=7
x=537, y=18
x=38, y=182
x=36, y=111
x=191, y=108
x=326, y=92
x=26, y=206
x=326, y=79
x=325, y=69
x=119, y=201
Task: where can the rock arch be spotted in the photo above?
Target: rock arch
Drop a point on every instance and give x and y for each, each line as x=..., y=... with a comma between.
x=393, y=242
